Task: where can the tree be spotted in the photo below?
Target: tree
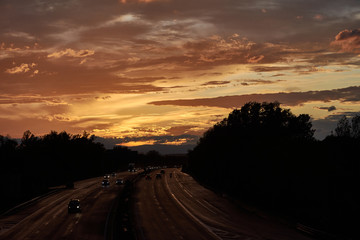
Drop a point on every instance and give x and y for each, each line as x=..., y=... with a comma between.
x=28, y=139
x=355, y=126
x=249, y=151
x=343, y=128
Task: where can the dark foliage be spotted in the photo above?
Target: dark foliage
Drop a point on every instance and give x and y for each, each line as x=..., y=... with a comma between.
x=37, y=163
x=265, y=155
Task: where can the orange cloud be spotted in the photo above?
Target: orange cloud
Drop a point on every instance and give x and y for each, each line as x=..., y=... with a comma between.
x=348, y=40
x=23, y=68
x=318, y=17
x=72, y=53
x=255, y=59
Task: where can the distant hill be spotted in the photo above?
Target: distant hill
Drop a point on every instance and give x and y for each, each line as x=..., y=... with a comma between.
x=164, y=149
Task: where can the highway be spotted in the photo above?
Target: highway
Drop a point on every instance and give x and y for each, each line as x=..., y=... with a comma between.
x=47, y=217
x=178, y=207
x=174, y=207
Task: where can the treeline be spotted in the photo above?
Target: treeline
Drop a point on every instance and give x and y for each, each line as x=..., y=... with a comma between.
x=29, y=168
x=264, y=155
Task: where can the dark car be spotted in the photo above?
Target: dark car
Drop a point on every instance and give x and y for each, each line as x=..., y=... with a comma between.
x=162, y=171
x=119, y=181
x=148, y=177
x=74, y=206
x=105, y=182
x=158, y=175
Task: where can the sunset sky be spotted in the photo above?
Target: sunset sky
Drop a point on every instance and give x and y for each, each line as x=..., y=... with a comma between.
x=164, y=71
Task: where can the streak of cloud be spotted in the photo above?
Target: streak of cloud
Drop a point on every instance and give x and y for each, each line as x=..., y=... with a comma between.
x=350, y=94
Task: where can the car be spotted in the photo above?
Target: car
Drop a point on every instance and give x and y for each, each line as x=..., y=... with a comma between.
x=113, y=174
x=148, y=177
x=119, y=181
x=162, y=171
x=74, y=206
x=106, y=176
x=105, y=182
x=158, y=175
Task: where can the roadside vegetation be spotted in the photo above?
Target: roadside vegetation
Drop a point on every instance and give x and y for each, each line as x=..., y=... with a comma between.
x=266, y=156
x=28, y=169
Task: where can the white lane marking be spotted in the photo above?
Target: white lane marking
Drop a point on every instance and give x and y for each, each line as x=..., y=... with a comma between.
x=186, y=191
x=210, y=231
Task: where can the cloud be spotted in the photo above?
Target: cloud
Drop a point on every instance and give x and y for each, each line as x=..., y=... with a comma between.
x=22, y=35
x=215, y=83
x=26, y=99
x=179, y=130
x=255, y=59
x=348, y=40
x=258, y=82
x=318, y=17
x=72, y=53
x=23, y=68
x=165, y=139
x=349, y=94
x=329, y=109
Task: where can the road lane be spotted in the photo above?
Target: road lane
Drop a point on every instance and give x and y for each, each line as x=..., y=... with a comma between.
x=48, y=218
x=160, y=217
x=178, y=207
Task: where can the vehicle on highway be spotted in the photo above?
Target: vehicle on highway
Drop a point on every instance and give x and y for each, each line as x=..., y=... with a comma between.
x=74, y=206
x=131, y=167
x=158, y=175
x=105, y=182
x=106, y=176
x=113, y=174
x=119, y=181
x=170, y=175
x=148, y=177
x=162, y=171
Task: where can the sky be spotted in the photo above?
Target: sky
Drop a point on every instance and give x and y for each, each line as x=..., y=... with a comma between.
x=165, y=71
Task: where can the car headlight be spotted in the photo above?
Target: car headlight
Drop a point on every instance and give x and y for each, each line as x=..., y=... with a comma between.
x=77, y=206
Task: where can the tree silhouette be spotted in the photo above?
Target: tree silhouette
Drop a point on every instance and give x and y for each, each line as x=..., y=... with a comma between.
x=343, y=128
x=355, y=126
x=264, y=155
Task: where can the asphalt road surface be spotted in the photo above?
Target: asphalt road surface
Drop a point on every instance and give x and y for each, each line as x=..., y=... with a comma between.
x=178, y=207
x=47, y=218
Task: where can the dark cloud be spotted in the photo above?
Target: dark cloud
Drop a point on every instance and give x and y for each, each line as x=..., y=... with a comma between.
x=185, y=129
x=348, y=40
x=349, y=94
x=258, y=82
x=216, y=83
x=329, y=109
